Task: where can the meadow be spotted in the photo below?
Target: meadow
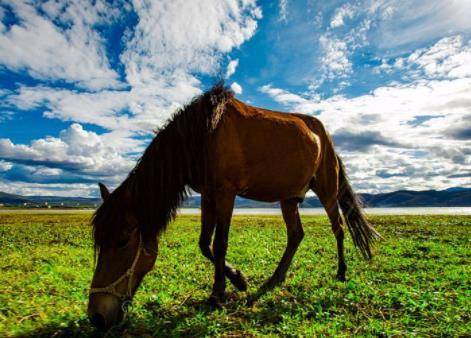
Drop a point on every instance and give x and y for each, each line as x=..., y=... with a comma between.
x=418, y=283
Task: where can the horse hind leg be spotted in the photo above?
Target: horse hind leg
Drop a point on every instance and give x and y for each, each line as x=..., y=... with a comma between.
x=337, y=229
x=327, y=191
x=295, y=231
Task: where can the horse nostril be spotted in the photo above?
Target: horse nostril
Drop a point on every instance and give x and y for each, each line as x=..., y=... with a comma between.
x=98, y=321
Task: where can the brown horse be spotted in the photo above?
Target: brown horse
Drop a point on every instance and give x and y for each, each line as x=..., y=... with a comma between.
x=222, y=148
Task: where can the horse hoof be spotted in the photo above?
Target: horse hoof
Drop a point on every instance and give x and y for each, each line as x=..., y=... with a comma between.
x=239, y=281
x=251, y=301
x=341, y=278
x=270, y=285
x=214, y=302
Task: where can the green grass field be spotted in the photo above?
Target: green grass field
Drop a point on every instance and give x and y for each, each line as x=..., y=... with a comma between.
x=418, y=284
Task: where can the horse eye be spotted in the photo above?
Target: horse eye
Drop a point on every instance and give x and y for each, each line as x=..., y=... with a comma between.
x=122, y=242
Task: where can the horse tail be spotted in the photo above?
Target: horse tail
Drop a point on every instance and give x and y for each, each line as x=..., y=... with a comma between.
x=363, y=234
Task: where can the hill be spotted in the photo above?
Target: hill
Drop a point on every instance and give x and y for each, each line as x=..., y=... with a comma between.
x=43, y=201
x=453, y=197
x=10, y=199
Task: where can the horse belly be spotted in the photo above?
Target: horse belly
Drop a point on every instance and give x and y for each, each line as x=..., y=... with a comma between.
x=269, y=160
x=283, y=174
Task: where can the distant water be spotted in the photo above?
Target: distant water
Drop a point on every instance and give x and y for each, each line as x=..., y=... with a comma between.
x=273, y=211
x=370, y=211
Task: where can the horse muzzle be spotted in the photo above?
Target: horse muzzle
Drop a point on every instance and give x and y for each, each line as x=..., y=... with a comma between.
x=104, y=310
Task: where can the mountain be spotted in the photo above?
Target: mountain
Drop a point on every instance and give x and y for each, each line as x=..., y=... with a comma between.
x=429, y=198
x=452, y=197
x=12, y=199
x=42, y=201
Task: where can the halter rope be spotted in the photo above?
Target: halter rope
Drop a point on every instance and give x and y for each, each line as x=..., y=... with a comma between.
x=129, y=274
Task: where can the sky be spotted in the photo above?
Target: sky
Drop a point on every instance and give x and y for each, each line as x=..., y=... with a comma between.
x=83, y=84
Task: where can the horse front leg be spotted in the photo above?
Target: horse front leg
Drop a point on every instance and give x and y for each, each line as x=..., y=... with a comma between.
x=208, y=223
x=224, y=208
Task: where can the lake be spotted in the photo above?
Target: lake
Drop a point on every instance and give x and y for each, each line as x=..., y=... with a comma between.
x=371, y=211
x=273, y=211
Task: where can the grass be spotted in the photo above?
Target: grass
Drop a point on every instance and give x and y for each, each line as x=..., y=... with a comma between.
x=418, y=284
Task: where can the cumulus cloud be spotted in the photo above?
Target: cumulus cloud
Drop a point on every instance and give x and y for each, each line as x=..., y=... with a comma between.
x=167, y=47
x=39, y=45
x=161, y=58
x=99, y=108
x=282, y=96
x=75, y=150
x=288, y=99
x=450, y=57
x=236, y=88
x=416, y=130
x=335, y=60
x=5, y=166
x=392, y=109
x=361, y=141
x=231, y=68
x=170, y=42
x=136, y=111
x=44, y=175
x=389, y=29
x=48, y=189
x=341, y=13
x=461, y=131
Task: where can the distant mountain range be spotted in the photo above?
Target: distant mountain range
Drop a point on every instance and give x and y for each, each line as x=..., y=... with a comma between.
x=44, y=201
x=453, y=197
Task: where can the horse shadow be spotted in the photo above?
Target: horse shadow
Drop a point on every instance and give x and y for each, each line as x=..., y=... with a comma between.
x=167, y=320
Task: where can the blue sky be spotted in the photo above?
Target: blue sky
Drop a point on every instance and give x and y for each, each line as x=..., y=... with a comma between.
x=84, y=83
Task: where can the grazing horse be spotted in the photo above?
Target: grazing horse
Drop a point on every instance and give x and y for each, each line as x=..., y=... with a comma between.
x=221, y=148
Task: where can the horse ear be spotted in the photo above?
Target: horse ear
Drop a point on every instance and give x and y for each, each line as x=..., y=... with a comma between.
x=104, y=191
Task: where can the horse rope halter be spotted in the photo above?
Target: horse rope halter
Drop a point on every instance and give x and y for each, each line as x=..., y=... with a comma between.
x=129, y=274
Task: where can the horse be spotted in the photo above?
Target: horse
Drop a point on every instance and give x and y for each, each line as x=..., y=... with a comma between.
x=220, y=148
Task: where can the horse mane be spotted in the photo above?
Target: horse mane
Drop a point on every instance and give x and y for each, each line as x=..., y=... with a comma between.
x=158, y=184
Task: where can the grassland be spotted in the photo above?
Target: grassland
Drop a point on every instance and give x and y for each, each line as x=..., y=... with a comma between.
x=418, y=284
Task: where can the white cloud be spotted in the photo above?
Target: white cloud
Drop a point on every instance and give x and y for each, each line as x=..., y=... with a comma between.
x=335, y=60
x=100, y=108
x=341, y=13
x=391, y=110
x=136, y=111
x=450, y=58
x=176, y=38
x=283, y=8
x=405, y=22
x=423, y=152
x=48, y=189
x=336, y=46
x=5, y=115
x=296, y=102
x=47, y=171
x=46, y=51
x=5, y=166
x=413, y=135
x=172, y=41
x=236, y=88
x=231, y=68
x=75, y=150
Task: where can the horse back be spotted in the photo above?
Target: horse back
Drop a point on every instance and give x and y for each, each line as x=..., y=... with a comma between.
x=262, y=154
